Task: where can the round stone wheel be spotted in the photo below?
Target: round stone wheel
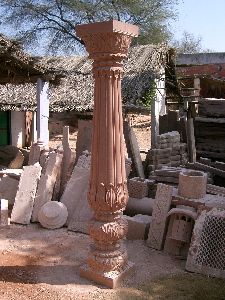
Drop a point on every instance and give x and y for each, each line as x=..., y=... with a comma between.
x=53, y=215
x=192, y=184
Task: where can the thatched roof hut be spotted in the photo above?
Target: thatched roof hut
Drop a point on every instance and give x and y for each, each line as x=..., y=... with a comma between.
x=74, y=91
x=17, y=67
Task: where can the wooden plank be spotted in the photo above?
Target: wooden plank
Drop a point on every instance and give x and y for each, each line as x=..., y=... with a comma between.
x=210, y=120
x=211, y=154
x=217, y=164
x=212, y=108
x=191, y=138
x=202, y=167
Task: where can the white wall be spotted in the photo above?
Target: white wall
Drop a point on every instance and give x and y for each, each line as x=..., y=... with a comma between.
x=18, y=128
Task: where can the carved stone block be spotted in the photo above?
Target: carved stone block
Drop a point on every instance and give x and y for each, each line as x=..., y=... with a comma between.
x=137, y=187
x=206, y=252
x=161, y=208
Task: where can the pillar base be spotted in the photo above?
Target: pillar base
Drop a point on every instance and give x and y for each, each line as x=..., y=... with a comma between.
x=111, y=279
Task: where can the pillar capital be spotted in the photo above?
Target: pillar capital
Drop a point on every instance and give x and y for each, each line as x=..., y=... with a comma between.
x=107, y=40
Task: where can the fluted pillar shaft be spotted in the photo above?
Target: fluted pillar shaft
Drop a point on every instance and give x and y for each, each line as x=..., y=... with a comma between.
x=107, y=44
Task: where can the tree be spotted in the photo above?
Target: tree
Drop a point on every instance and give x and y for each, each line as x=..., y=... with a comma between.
x=49, y=24
x=188, y=44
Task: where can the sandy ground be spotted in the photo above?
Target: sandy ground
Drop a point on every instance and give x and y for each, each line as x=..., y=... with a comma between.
x=37, y=263
x=140, y=124
x=41, y=264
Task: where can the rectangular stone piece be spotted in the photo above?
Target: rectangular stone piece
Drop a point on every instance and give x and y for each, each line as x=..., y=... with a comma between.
x=75, y=199
x=35, y=152
x=75, y=196
x=82, y=215
x=24, y=201
x=138, y=227
x=161, y=208
x=4, y=212
x=8, y=188
x=46, y=183
x=206, y=253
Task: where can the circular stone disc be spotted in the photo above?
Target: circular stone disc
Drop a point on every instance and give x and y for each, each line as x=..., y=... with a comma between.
x=52, y=215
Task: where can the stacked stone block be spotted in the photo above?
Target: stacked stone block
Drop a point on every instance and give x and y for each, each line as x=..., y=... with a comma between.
x=169, y=152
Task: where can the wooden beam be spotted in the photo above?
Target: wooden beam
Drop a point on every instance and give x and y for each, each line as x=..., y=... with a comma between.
x=205, y=168
x=191, y=137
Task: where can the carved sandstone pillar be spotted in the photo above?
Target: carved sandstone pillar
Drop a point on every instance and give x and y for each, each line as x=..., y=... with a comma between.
x=107, y=44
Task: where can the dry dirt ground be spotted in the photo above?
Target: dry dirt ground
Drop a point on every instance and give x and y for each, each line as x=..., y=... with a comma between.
x=140, y=124
x=41, y=264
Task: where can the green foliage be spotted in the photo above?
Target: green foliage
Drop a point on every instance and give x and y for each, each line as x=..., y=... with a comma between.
x=148, y=98
x=49, y=24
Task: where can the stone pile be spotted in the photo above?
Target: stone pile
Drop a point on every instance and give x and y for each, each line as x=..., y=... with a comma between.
x=40, y=184
x=184, y=222
x=171, y=175
x=169, y=152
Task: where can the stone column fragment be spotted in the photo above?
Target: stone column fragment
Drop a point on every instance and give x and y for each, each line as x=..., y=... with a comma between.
x=42, y=111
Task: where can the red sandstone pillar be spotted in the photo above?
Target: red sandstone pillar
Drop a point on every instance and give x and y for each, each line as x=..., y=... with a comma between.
x=107, y=44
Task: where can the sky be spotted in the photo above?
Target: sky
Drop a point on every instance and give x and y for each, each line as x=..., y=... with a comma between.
x=205, y=19
x=202, y=18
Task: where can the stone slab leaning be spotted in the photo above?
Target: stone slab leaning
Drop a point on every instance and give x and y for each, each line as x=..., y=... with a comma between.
x=24, y=201
x=75, y=196
x=46, y=184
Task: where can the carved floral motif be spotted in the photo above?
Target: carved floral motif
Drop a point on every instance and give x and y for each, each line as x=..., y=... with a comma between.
x=110, y=43
x=113, y=198
x=109, y=232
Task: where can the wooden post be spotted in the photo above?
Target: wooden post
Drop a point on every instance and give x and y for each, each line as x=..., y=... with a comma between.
x=191, y=136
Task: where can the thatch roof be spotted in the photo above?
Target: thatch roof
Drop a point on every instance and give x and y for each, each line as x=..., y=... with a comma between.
x=18, y=67
x=75, y=91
